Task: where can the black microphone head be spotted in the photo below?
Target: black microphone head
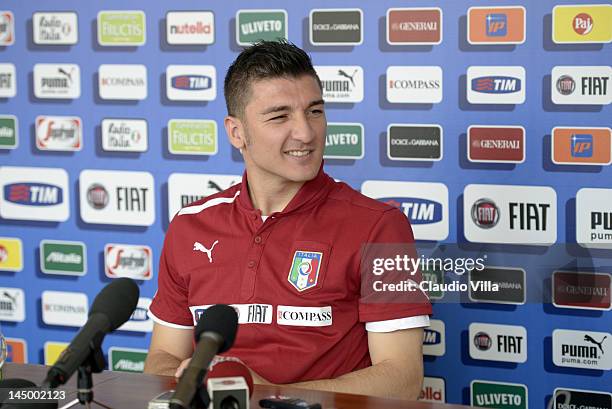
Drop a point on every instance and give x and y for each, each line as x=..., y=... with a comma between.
x=221, y=319
x=117, y=301
x=16, y=383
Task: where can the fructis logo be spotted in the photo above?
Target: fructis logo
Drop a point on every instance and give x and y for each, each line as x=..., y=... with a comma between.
x=485, y=213
x=496, y=84
x=418, y=210
x=191, y=82
x=497, y=25
x=33, y=194
x=582, y=145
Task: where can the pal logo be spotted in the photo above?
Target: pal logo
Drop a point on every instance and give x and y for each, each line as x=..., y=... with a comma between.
x=418, y=211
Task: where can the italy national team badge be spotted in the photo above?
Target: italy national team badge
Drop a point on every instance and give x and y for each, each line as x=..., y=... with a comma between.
x=305, y=268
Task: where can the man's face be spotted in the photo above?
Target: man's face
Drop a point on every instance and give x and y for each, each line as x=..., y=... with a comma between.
x=284, y=128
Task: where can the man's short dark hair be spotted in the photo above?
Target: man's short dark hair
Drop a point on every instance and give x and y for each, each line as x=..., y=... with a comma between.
x=263, y=60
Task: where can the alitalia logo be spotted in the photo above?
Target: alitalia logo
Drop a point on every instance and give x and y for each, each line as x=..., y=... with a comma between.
x=63, y=257
x=127, y=359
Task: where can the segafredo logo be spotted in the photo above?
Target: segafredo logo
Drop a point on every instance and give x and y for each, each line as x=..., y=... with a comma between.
x=425, y=204
x=126, y=260
x=59, y=133
x=34, y=193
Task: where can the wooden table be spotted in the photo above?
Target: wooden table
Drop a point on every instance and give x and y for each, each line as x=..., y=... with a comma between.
x=122, y=390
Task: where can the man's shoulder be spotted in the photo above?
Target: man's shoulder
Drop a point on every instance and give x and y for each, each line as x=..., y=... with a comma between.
x=355, y=200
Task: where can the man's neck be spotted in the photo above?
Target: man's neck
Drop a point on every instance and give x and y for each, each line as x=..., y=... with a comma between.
x=269, y=195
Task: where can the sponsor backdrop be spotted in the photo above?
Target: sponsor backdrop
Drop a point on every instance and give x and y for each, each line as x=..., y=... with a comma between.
x=488, y=126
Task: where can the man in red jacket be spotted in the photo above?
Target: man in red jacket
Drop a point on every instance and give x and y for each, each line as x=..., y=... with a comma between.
x=284, y=247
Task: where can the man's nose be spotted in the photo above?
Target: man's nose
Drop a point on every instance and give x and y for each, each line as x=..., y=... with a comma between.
x=303, y=130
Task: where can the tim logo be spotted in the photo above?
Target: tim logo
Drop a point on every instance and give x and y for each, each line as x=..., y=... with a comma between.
x=198, y=313
x=431, y=337
x=139, y=315
x=33, y=194
x=496, y=85
x=497, y=25
x=582, y=145
x=418, y=211
x=191, y=82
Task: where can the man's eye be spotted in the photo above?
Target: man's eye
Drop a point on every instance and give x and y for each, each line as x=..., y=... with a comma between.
x=317, y=111
x=278, y=117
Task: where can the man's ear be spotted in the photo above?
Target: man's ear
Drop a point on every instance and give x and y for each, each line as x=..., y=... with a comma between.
x=235, y=131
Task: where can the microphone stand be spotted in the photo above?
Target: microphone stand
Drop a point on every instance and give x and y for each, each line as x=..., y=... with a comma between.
x=95, y=363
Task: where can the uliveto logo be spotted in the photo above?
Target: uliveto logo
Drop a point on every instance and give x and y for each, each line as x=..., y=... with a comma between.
x=425, y=204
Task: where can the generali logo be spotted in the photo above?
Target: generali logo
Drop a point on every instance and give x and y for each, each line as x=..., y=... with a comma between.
x=55, y=28
x=190, y=27
x=414, y=26
x=7, y=28
x=34, y=193
x=496, y=25
x=126, y=260
x=581, y=290
x=64, y=308
x=581, y=146
x=59, y=133
x=122, y=81
x=496, y=143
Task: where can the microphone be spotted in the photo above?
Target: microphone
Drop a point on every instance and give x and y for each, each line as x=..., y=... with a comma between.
x=7, y=384
x=214, y=333
x=110, y=309
x=229, y=384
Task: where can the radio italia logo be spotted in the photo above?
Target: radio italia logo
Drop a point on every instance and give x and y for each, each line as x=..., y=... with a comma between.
x=55, y=28
x=121, y=28
x=124, y=135
x=257, y=25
